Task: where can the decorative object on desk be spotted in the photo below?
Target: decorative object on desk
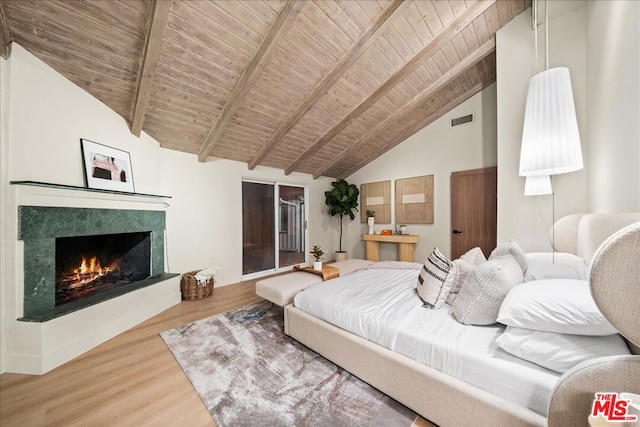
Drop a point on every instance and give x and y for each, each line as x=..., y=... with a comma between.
x=248, y=372
x=342, y=200
x=195, y=285
x=371, y=218
x=414, y=200
x=317, y=253
x=403, y=229
x=106, y=168
x=376, y=196
x=386, y=232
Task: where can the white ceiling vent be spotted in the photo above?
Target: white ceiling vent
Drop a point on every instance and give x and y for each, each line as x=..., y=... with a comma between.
x=462, y=120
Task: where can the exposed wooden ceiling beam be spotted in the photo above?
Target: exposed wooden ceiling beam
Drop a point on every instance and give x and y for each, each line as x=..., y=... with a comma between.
x=455, y=27
x=5, y=35
x=460, y=68
x=276, y=33
x=156, y=25
x=348, y=59
x=421, y=124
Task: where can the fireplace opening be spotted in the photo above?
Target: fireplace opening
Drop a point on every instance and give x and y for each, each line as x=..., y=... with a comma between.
x=89, y=265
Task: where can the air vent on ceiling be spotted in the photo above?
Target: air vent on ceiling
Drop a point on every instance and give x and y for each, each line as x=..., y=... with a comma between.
x=462, y=120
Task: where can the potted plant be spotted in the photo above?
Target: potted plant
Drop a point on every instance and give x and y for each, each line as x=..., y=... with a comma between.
x=371, y=215
x=342, y=200
x=317, y=253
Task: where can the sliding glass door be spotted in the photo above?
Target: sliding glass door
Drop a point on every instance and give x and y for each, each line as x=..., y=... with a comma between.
x=273, y=226
x=258, y=245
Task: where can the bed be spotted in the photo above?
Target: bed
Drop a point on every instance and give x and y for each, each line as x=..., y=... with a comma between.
x=461, y=386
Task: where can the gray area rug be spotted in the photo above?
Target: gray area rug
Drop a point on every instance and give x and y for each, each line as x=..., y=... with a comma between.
x=249, y=373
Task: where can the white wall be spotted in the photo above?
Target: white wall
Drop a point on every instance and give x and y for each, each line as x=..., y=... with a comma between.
x=527, y=219
x=42, y=118
x=5, y=259
x=613, y=105
x=437, y=149
x=599, y=41
x=204, y=222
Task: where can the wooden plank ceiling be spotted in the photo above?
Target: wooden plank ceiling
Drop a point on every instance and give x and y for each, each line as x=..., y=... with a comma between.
x=321, y=87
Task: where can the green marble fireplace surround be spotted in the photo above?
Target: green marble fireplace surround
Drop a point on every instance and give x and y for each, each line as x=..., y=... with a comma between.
x=39, y=226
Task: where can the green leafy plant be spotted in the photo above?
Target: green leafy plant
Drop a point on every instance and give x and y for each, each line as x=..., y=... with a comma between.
x=317, y=252
x=342, y=200
x=371, y=214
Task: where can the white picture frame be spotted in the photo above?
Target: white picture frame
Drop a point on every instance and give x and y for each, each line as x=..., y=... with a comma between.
x=106, y=168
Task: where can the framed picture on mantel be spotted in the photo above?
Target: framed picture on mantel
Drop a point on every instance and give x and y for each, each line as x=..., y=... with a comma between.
x=106, y=168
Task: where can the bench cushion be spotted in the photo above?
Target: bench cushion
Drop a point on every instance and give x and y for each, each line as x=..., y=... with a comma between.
x=280, y=290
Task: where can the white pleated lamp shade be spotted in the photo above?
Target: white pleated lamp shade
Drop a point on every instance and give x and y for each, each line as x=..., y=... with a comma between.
x=537, y=185
x=550, y=138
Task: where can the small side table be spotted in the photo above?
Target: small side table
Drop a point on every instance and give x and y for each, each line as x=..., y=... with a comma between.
x=406, y=245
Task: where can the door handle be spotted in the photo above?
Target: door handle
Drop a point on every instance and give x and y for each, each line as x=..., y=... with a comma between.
x=457, y=232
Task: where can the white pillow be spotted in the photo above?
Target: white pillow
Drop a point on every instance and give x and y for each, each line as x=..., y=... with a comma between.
x=459, y=274
x=564, y=306
x=484, y=290
x=561, y=265
x=558, y=352
x=463, y=266
x=475, y=256
x=511, y=248
x=435, y=279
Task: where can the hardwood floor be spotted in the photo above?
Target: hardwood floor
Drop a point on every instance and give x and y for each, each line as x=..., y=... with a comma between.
x=130, y=380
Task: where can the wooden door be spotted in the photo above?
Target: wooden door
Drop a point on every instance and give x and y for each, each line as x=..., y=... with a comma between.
x=473, y=210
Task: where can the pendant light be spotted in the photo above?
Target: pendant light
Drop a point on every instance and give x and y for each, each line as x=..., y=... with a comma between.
x=550, y=137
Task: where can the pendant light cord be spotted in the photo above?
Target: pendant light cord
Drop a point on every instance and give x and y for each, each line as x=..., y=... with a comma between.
x=535, y=35
x=553, y=183
x=546, y=34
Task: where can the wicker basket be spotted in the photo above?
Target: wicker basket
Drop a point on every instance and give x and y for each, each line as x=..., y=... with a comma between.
x=193, y=290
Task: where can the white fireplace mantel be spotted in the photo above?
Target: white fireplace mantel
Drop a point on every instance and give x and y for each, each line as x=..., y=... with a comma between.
x=38, y=347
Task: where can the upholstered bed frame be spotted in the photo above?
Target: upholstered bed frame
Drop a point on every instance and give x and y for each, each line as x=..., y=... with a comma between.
x=447, y=401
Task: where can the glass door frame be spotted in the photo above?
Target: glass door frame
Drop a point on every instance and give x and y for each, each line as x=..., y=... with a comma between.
x=276, y=225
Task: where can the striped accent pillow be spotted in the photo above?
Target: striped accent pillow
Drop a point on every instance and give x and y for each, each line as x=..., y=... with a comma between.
x=435, y=280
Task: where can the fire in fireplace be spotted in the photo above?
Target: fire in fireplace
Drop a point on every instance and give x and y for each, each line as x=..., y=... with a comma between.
x=89, y=265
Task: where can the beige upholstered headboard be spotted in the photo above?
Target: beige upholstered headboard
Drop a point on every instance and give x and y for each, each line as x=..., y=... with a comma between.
x=615, y=286
x=582, y=234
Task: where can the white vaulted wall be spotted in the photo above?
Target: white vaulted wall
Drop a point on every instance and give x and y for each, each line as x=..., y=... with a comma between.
x=613, y=105
x=599, y=41
x=42, y=118
x=527, y=219
x=438, y=150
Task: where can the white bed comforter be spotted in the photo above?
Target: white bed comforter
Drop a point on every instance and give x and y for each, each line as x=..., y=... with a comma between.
x=382, y=306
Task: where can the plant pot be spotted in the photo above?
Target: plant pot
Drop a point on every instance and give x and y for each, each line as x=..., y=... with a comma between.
x=317, y=265
x=341, y=256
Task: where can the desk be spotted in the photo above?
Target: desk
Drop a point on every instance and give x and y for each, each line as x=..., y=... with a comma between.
x=406, y=245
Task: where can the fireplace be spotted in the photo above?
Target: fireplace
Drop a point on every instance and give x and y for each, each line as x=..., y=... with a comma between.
x=89, y=265
x=78, y=257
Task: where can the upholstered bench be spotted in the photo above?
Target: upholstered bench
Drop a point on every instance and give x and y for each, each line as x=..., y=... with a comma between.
x=280, y=290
